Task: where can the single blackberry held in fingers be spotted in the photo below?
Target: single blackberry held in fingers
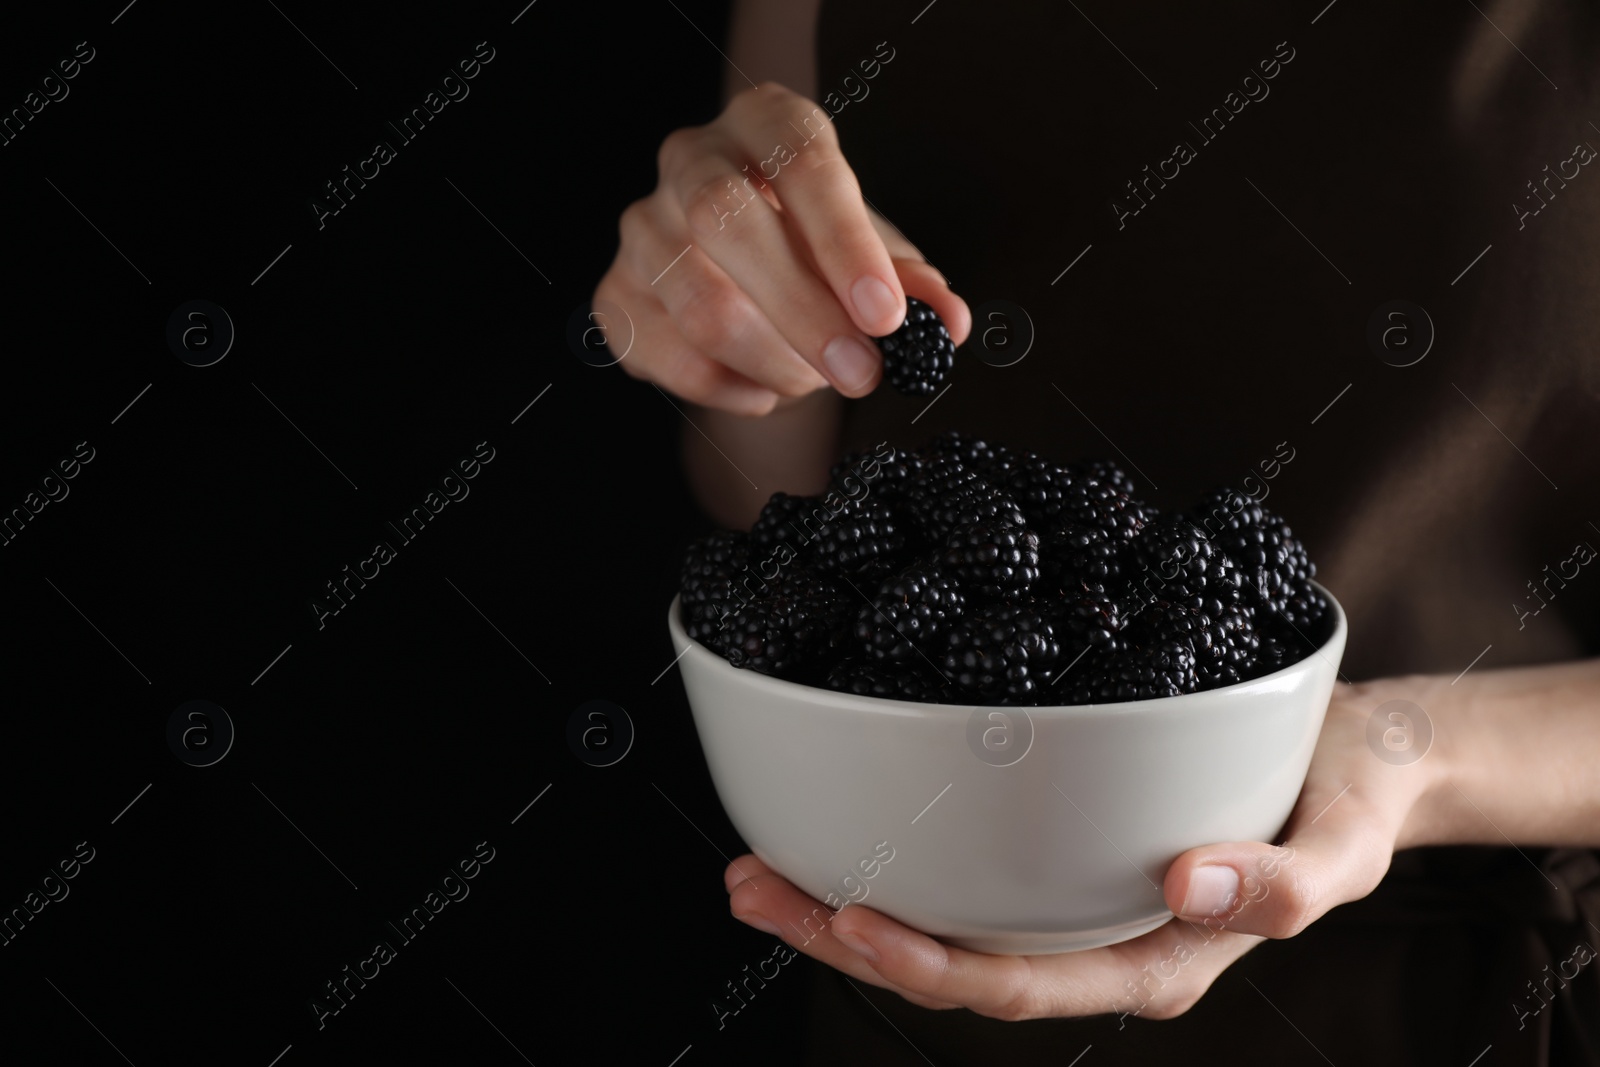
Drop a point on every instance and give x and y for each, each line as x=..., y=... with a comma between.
x=918, y=356
x=967, y=572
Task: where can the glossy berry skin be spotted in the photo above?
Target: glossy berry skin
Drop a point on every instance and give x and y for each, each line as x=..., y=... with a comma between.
x=1273, y=564
x=950, y=494
x=1105, y=472
x=1174, y=560
x=1089, y=620
x=1041, y=488
x=711, y=567
x=890, y=681
x=797, y=625
x=909, y=615
x=1074, y=558
x=863, y=540
x=919, y=356
x=1163, y=670
x=992, y=560
x=1002, y=654
x=1092, y=503
x=966, y=572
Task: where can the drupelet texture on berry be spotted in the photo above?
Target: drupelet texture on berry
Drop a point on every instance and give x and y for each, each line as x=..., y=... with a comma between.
x=918, y=356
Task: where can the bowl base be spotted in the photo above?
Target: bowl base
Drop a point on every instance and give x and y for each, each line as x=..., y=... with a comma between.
x=1036, y=944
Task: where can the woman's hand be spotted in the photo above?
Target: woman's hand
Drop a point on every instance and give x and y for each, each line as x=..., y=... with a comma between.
x=756, y=271
x=1354, y=812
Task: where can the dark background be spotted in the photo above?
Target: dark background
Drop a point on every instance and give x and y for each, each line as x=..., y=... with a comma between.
x=372, y=354
x=186, y=555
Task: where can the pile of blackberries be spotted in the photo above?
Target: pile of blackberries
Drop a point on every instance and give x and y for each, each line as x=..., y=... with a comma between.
x=967, y=573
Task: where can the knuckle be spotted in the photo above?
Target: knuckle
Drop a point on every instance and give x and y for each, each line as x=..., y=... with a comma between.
x=710, y=204
x=638, y=369
x=1018, y=1009
x=759, y=99
x=695, y=380
x=677, y=147
x=812, y=121
x=1297, y=908
x=1026, y=1001
x=711, y=318
x=762, y=405
x=816, y=163
x=633, y=222
x=799, y=384
x=1174, y=1006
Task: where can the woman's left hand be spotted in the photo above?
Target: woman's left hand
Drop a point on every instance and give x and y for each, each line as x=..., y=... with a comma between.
x=1353, y=813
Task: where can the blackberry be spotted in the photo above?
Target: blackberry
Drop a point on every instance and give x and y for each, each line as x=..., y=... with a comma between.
x=711, y=567
x=862, y=540
x=1161, y=670
x=1040, y=488
x=796, y=625
x=1074, y=557
x=1092, y=503
x=891, y=681
x=919, y=355
x=1163, y=621
x=992, y=559
x=1272, y=562
x=781, y=519
x=1106, y=473
x=909, y=615
x=1091, y=620
x=1004, y=652
x=951, y=494
x=1234, y=646
x=981, y=455
x=1305, y=611
x=1174, y=560
x=1275, y=653
x=888, y=470
x=710, y=563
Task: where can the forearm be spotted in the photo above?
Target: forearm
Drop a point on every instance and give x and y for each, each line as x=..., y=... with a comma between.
x=1516, y=756
x=736, y=463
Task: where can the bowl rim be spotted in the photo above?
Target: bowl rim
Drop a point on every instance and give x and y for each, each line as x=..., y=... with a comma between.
x=766, y=683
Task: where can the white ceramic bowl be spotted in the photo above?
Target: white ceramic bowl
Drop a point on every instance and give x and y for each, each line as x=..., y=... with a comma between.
x=1007, y=830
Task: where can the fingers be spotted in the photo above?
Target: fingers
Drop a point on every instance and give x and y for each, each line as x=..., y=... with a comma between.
x=768, y=902
x=748, y=239
x=1277, y=892
x=799, y=160
x=1158, y=975
x=742, y=869
x=756, y=271
x=920, y=280
x=660, y=354
x=715, y=316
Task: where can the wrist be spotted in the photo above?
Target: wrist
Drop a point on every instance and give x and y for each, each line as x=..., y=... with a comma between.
x=1424, y=782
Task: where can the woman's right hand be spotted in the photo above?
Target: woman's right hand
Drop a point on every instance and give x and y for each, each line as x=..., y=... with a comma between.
x=755, y=271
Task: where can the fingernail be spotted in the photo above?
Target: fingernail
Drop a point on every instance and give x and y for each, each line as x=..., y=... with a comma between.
x=849, y=361
x=1211, y=889
x=760, y=922
x=874, y=300
x=857, y=944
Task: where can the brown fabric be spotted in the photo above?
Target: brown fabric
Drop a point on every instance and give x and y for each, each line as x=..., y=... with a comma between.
x=1207, y=331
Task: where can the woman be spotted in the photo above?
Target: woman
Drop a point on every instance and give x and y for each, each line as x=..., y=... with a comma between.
x=1229, y=232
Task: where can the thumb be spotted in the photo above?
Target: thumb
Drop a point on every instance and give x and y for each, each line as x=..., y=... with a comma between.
x=1277, y=891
